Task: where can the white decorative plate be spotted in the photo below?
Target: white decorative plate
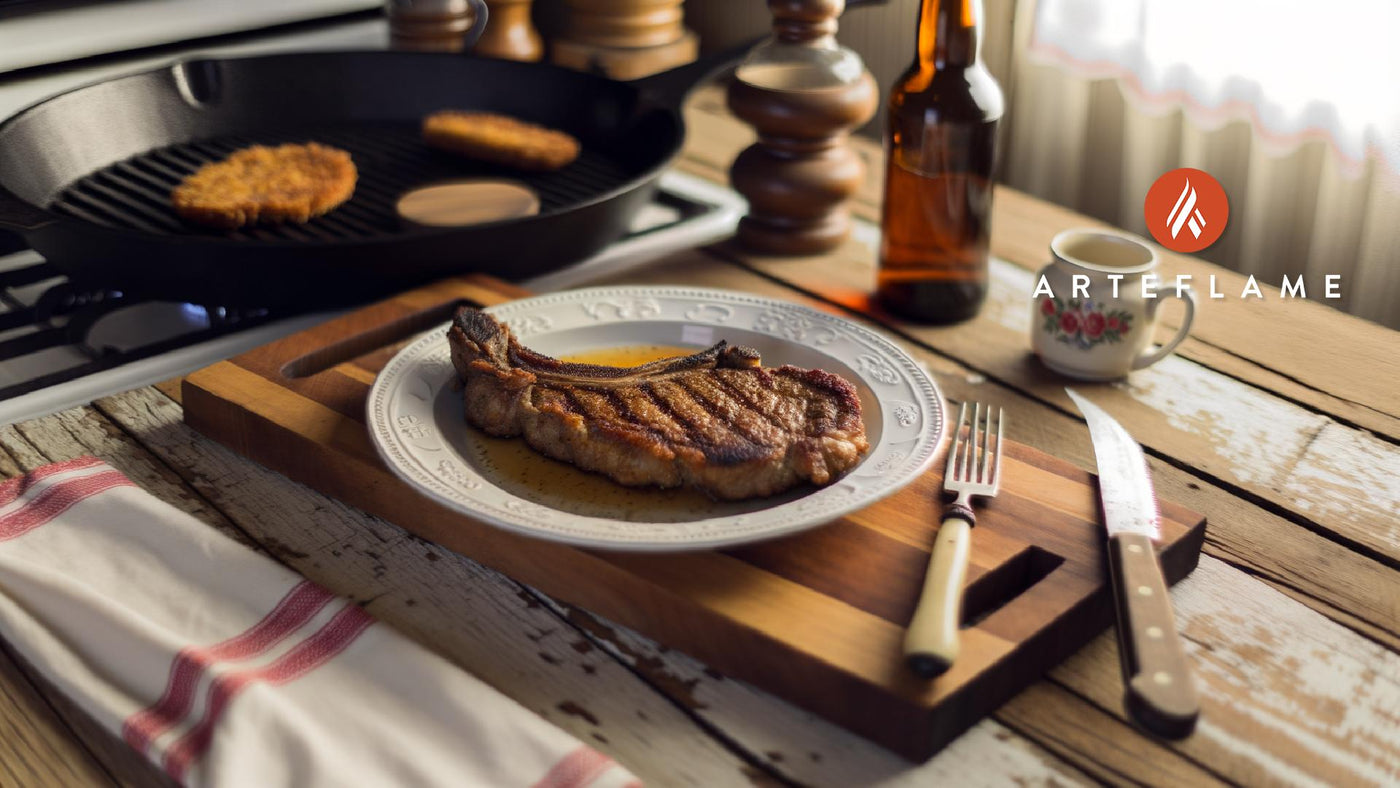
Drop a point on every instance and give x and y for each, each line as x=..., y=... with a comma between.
x=416, y=421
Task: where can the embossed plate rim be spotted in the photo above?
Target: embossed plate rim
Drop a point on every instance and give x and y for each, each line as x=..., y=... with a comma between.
x=461, y=489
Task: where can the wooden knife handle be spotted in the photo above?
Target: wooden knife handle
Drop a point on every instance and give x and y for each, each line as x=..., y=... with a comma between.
x=931, y=642
x=1161, y=693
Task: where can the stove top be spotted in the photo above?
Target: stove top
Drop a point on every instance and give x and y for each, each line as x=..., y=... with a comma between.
x=63, y=344
x=53, y=330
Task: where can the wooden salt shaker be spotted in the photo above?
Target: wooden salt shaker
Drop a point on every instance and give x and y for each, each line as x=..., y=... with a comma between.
x=511, y=35
x=435, y=25
x=802, y=93
x=625, y=39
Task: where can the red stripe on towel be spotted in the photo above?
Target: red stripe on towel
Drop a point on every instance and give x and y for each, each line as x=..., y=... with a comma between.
x=55, y=500
x=296, y=607
x=576, y=770
x=315, y=651
x=14, y=488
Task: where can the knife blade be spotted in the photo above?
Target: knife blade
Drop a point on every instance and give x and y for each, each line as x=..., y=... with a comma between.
x=1160, y=693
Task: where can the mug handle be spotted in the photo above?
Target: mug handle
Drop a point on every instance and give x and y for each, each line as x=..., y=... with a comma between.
x=479, y=16
x=1150, y=357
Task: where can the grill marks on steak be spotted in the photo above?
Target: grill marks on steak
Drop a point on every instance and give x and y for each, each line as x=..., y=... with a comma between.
x=715, y=420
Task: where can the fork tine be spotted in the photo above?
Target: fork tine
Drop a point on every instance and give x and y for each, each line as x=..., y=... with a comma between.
x=977, y=455
x=983, y=475
x=1001, y=423
x=952, y=470
x=969, y=467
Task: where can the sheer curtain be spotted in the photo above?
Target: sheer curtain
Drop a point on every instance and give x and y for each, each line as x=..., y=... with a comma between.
x=1293, y=106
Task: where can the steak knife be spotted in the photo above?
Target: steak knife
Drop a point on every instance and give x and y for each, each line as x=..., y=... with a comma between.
x=1160, y=691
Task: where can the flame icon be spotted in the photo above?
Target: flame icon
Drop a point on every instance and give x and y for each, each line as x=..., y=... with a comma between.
x=1185, y=212
x=1199, y=196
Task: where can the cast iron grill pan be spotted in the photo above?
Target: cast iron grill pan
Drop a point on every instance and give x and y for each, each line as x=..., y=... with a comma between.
x=86, y=176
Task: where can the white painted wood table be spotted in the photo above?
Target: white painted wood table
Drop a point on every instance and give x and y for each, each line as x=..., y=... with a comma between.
x=1279, y=420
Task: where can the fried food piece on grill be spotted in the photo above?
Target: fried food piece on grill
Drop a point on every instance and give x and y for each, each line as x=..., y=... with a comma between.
x=500, y=139
x=263, y=185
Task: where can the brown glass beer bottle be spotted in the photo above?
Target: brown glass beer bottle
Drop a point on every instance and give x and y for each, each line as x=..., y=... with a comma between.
x=938, y=189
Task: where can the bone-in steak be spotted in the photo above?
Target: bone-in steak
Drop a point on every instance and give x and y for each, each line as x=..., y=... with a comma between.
x=715, y=420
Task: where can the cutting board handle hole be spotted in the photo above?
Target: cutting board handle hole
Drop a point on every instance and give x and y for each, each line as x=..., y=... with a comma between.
x=381, y=337
x=997, y=587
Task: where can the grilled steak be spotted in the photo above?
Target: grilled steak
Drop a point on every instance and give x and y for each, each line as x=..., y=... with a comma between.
x=715, y=420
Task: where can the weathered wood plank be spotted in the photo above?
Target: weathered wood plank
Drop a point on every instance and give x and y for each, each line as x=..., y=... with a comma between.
x=8, y=466
x=1344, y=411
x=1070, y=726
x=1288, y=697
x=511, y=642
x=73, y=433
x=808, y=748
x=1343, y=470
x=21, y=455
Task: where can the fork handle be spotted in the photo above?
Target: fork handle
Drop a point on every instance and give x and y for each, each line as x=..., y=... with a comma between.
x=931, y=642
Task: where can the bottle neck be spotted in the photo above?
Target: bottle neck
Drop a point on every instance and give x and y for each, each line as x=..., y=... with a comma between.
x=948, y=34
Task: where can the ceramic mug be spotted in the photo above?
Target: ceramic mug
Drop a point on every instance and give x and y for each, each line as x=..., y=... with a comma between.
x=1086, y=329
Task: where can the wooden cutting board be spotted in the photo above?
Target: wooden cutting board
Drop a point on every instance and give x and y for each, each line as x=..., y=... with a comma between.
x=816, y=618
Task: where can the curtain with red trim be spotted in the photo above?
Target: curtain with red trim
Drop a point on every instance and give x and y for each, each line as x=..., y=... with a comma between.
x=1293, y=106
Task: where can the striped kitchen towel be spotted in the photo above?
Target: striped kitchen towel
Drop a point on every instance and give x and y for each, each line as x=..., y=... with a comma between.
x=224, y=668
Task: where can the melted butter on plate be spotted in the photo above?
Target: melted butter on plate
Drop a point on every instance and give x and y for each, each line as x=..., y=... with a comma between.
x=629, y=356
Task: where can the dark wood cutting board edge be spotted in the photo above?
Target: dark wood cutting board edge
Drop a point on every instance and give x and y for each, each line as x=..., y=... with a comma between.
x=821, y=613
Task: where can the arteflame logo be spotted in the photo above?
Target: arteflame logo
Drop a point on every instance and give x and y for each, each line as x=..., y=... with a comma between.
x=1186, y=210
x=1180, y=212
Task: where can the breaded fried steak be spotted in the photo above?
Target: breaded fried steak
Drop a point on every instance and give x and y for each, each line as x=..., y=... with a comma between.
x=263, y=185
x=500, y=139
x=715, y=420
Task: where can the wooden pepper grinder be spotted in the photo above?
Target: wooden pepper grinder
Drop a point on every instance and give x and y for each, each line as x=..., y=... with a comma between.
x=511, y=35
x=625, y=39
x=802, y=93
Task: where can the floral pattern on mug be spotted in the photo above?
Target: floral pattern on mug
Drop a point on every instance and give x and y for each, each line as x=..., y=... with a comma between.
x=1083, y=324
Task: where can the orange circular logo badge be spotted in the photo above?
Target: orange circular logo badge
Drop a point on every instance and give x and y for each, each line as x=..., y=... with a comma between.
x=1186, y=210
